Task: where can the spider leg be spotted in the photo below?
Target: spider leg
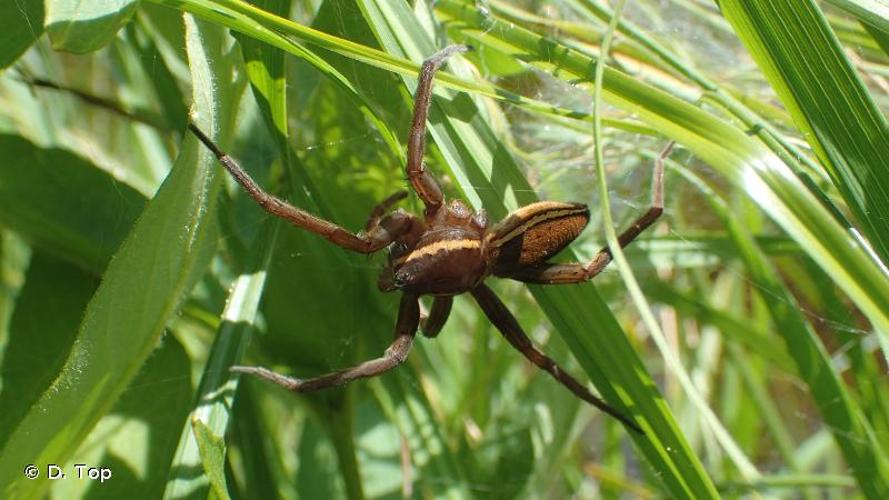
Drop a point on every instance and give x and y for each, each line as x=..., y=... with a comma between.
x=405, y=330
x=379, y=237
x=556, y=274
x=423, y=182
x=512, y=331
x=441, y=309
x=373, y=220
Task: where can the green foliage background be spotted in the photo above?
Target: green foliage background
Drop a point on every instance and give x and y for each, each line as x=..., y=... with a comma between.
x=747, y=333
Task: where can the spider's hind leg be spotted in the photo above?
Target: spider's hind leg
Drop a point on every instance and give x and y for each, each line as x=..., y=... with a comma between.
x=512, y=331
x=547, y=273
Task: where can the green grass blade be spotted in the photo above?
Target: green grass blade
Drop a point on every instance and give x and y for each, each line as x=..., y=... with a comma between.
x=278, y=31
x=861, y=448
x=800, y=55
x=745, y=467
x=743, y=161
x=216, y=391
x=873, y=12
x=212, y=451
x=167, y=250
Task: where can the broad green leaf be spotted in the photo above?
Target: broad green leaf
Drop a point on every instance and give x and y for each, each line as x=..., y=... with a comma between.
x=21, y=24
x=40, y=342
x=136, y=440
x=167, y=250
x=63, y=203
x=86, y=25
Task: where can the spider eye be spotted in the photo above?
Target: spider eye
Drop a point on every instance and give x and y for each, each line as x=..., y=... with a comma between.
x=397, y=249
x=400, y=280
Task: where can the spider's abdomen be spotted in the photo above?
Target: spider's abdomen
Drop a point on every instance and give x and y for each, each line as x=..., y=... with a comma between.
x=445, y=262
x=534, y=233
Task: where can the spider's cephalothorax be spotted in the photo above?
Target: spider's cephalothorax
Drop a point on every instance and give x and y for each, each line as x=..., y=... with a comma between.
x=443, y=255
x=449, y=251
x=455, y=250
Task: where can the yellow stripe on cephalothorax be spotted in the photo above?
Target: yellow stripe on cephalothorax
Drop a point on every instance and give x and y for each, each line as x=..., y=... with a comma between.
x=547, y=214
x=440, y=246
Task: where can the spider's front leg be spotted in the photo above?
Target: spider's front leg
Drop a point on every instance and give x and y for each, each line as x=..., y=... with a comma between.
x=549, y=274
x=380, y=233
x=422, y=181
x=405, y=330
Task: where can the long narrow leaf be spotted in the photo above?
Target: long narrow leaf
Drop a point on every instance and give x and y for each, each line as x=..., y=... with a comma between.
x=167, y=250
x=800, y=55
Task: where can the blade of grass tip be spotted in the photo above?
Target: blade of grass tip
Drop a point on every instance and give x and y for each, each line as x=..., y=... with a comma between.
x=744, y=465
x=166, y=252
x=212, y=451
x=216, y=392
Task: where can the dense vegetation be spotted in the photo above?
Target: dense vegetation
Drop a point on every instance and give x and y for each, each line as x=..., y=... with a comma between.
x=747, y=332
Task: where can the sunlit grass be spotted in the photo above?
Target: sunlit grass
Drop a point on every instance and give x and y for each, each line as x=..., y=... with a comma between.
x=126, y=290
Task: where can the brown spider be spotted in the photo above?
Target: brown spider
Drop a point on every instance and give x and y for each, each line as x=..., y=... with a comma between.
x=449, y=251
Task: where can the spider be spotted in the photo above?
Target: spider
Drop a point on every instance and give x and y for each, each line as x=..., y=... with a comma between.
x=449, y=251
